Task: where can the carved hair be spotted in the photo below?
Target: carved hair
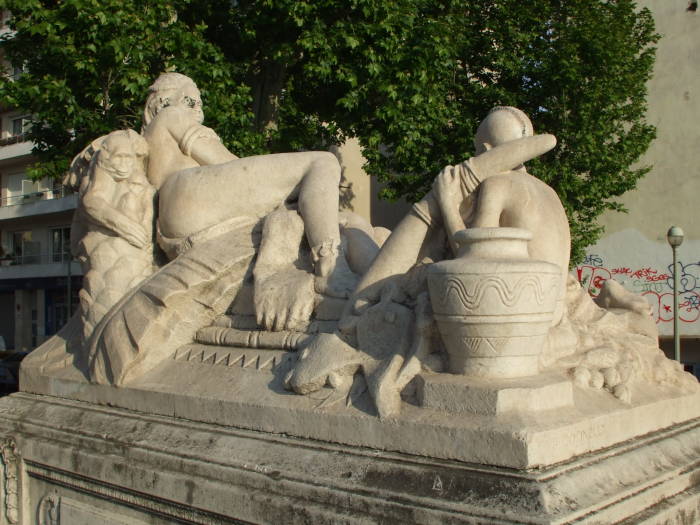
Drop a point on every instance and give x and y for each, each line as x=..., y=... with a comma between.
x=161, y=92
x=519, y=114
x=118, y=141
x=138, y=144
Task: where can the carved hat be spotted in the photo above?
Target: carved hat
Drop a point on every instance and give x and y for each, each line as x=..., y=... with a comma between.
x=503, y=124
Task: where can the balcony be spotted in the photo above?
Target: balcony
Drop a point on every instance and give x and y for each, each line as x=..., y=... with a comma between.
x=37, y=203
x=37, y=265
x=15, y=146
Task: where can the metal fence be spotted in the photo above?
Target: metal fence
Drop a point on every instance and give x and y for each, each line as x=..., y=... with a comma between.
x=55, y=193
x=35, y=258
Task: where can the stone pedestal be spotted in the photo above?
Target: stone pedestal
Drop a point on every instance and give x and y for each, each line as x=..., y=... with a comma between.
x=235, y=387
x=76, y=463
x=212, y=437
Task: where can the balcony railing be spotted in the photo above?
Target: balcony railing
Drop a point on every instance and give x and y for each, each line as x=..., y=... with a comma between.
x=40, y=258
x=43, y=195
x=14, y=139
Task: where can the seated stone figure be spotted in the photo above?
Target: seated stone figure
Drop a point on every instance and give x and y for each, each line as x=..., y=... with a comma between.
x=488, y=190
x=211, y=208
x=607, y=345
x=461, y=195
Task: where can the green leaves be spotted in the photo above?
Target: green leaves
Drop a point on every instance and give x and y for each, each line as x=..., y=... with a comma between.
x=411, y=79
x=88, y=66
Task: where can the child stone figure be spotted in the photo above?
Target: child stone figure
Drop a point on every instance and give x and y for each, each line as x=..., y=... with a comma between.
x=113, y=232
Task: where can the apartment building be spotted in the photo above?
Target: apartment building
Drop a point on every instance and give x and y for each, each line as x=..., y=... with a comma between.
x=36, y=272
x=36, y=275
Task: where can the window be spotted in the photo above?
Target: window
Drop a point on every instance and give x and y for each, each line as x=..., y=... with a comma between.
x=20, y=189
x=20, y=126
x=60, y=244
x=24, y=249
x=13, y=188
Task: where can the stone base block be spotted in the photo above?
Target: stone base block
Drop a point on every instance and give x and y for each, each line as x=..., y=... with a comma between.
x=73, y=463
x=462, y=394
x=244, y=388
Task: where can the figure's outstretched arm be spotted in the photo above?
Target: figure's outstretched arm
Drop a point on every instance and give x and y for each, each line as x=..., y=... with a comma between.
x=398, y=254
x=451, y=192
x=510, y=155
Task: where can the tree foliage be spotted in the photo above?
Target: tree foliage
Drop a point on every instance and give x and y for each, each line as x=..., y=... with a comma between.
x=88, y=64
x=410, y=79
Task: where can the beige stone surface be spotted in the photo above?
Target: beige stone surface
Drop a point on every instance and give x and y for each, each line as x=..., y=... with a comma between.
x=212, y=207
x=493, y=304
x=456, y=348
x=458, y=394
x=112, y=233
x=666, y=195
x=490, y=323
x=189, y=386
x=120, y=466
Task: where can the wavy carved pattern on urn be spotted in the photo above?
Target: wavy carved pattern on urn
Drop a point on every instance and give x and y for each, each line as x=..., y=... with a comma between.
x=509, y=295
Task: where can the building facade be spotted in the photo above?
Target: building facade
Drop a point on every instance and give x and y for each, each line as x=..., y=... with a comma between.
x=36, y=275
x=634, y=249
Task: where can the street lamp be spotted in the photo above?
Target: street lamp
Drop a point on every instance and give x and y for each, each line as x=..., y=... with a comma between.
x=675, y=239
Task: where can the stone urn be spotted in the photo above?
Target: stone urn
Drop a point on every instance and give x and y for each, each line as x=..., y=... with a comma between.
x=493, y=304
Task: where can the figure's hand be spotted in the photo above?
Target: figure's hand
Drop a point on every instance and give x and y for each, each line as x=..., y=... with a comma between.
x=447, y=190
x=285, y=300
x=135, y=234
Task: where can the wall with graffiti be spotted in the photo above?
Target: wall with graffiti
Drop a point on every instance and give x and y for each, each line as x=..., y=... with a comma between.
x=646, y=267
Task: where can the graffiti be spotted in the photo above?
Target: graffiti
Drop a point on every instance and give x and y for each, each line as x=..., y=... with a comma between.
x=646, y=274
x=688, y=277
x=592, y=278
x=662, y=306
x=593, y=260
x=655, y=285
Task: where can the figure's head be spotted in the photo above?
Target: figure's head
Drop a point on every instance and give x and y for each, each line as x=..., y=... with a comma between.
x=502, y=124
x=122, y=154
x=172, y=89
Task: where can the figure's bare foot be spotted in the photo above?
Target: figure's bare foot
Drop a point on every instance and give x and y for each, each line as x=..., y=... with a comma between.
x=614, y=295
x=285, y=300
x=333, y=274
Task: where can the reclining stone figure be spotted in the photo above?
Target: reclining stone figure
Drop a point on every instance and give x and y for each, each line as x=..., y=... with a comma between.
x=211, y=207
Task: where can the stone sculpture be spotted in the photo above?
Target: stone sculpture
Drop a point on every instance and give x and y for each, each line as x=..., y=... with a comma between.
x=260, y=258
x=112, y=232
x=456, y=350
x=493, y=304
x=211, y=207
x=544, y=322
